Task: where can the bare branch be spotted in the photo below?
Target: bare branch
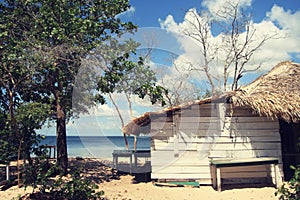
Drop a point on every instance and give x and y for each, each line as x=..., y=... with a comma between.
x=200, y=30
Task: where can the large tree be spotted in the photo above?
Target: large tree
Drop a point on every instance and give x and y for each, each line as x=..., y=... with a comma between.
x=240, y=42
x=200, y=30
x=15, y=74
x=60, y=34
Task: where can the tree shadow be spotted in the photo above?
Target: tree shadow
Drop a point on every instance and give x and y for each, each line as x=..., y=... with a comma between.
x=96, y=170
x=245, y=185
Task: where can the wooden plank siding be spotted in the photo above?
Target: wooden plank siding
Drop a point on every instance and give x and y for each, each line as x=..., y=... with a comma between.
x=203, y=134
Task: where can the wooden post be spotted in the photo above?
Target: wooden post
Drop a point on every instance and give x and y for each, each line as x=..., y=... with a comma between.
x=176, y=136
x=135, y=159
x=222, y=110
x=269, y=170
x=130, y=169
x=219, y=179
x=214, y=177
x=277, y=175
x=7, y=171
x=54, y=152
x=135, y=142
x=50, y=152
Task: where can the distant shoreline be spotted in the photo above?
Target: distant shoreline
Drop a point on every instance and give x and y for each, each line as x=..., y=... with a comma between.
x=120, y=136
x=97, y=146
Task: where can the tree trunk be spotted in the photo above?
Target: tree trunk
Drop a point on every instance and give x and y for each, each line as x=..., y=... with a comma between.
x=208, y=75
x=234, y=84
x=61, y=139
x=18, y=162
x=121, y=118
x=16, y=132
x=131, y=117
x=225, y=76
x=213, y=90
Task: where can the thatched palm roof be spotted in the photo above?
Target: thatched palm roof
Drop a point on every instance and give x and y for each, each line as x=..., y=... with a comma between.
x=275, y=95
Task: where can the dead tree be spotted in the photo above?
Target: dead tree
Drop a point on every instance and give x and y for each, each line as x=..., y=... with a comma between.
x=240, y=42
x=200, y=30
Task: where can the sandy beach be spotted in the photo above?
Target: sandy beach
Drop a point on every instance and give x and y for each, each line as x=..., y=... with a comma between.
x=124, y=186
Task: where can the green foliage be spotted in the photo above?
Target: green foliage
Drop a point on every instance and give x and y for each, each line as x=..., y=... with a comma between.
x=291, y=189
x=38, y=173
x=7, y=149
x=8, y=143
x=42, y=177
x=77, y=188
x=155, y=92
x=42, y=45
x=29, y=117
x=126, y=73
x=63, y=33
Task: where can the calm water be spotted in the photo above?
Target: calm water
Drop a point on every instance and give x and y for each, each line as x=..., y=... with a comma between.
x=98, y=146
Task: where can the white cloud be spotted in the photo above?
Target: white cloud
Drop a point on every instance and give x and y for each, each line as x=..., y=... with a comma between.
x=289, y=22
x=104, y=110
x=101, y=119
x=127, y=13
x=272, y=52
x=217, y=6
x=192, y=48
x=169, y=24
x=285, y=19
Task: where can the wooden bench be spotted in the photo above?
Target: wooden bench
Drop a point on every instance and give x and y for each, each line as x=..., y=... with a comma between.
x=129, y=154
x=141, y=154
x=122, y=153
x=216, y=166
x=51, y=155
x=6, y=165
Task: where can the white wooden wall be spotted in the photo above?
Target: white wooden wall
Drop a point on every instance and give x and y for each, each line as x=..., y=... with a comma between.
x=182, y=149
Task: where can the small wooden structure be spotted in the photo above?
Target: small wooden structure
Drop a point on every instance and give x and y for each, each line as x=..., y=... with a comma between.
x=218, y=164
x=7, y=171
x=51, y=152
x=122, y=153
x=241, y=124
x=132, y=167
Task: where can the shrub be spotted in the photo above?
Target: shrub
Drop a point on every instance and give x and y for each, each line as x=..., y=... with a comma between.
x=41, y=174
x=291, y=189
x=77, y=188
x=38, y=173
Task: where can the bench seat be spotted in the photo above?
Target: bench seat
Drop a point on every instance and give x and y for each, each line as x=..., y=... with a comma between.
x=216, y=165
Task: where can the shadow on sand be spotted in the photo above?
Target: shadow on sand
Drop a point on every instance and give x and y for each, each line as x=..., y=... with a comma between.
x=101, y=170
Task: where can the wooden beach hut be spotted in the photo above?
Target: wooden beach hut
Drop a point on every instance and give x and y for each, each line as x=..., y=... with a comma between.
x=236, y=137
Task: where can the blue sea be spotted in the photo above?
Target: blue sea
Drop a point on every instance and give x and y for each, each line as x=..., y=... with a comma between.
x=98, y=146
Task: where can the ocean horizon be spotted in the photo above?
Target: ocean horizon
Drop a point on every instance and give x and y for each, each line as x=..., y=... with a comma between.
x=98, y=146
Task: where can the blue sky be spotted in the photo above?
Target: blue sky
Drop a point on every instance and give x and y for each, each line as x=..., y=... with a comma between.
x=147, y=13
x=170, y=15
x=160, y=23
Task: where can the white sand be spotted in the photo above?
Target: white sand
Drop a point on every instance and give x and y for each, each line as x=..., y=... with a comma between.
x=126, y=188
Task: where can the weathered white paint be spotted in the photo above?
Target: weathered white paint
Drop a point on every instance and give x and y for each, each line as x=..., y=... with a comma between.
x=212, y=131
